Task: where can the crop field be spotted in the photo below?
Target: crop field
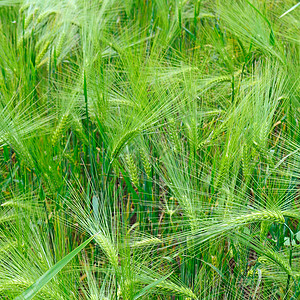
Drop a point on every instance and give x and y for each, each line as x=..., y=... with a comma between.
x=149, y=149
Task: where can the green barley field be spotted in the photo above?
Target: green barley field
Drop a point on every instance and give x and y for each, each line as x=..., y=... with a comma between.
x=149, y=149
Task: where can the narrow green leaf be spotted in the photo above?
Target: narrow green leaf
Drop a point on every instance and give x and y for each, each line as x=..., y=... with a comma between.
x=291, y=9
x=150, y=286
x=215, y=268
x=44, y=279
x=95, y=201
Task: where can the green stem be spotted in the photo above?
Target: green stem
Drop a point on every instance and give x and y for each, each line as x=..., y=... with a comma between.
x=290, y=260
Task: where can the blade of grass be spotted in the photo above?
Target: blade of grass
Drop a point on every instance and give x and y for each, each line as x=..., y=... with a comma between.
x=150, y=286
x=289, y=10
x=44, y=279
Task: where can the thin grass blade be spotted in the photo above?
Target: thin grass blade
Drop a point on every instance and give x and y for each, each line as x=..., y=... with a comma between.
x=44, y=279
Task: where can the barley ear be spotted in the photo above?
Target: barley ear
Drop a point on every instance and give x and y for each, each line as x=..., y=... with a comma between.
x=132, y=170
x=59, y=129
x=146, y=162
x=42, y=53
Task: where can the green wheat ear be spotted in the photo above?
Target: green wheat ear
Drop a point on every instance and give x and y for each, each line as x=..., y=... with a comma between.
x=42, y=53
x=60, y=43
x=264, y=229
x=266, y=215
x=79, y=129
x=44, y=61
x=222, y=171
x=44, y=15
x=59, y=129
x=28, y=20
x=132, y=170
x=24, y=7
x=146, y=162
x=128, y=136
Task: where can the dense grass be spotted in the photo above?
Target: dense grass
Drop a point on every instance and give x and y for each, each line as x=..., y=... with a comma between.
x=157, y=140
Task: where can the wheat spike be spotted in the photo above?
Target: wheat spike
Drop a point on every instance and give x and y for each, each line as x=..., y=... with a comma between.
x=146, y=163
x=42, y=53
x=59, y=129
x=132, y=170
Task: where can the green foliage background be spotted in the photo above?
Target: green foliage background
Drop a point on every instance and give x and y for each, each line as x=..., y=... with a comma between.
x=157, y=138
